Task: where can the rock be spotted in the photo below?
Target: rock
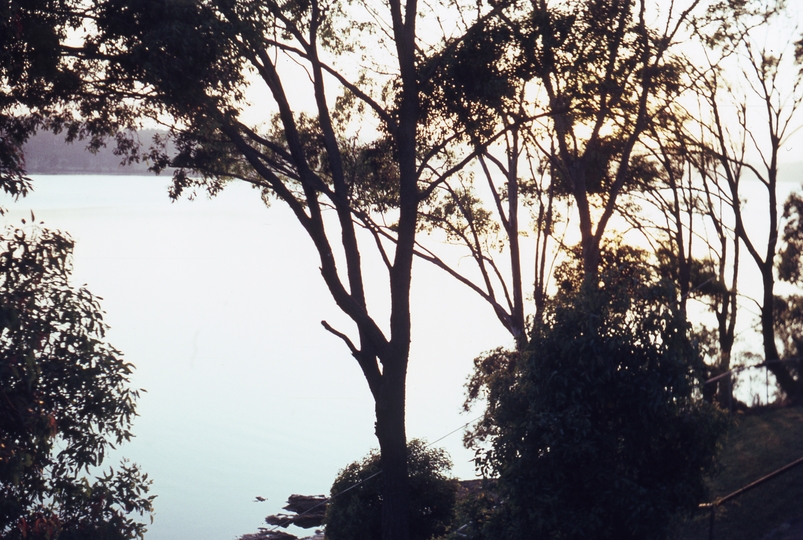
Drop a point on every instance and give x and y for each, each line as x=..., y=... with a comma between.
x=303, y=503
x=265, y=534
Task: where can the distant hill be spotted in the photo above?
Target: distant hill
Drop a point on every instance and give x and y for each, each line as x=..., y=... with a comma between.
x=46, y=153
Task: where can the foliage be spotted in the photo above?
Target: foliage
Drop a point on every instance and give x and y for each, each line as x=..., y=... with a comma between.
x=598, y=430
x=788, y=318
x=66, y=402
x=48, y=80
x=29, y=68
x=789, y=256
x=474, y=509
x=473, y=79
x=354, y=513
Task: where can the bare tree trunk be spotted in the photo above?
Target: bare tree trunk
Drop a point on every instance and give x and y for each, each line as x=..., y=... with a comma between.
x=391, y=433
x=791, y=387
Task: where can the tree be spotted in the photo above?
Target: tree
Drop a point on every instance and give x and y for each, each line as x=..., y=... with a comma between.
x=607, y=76
x=188, y=64
x=745, y=147
x=581, y=95
x=685, y=209
x=29, y=64
x=357, y=151
x=65, y=402
x=787, y=310
x=598, y=429
x=353, y=511
x=44, y=75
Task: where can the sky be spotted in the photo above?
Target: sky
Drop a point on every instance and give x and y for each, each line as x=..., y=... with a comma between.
x=218, y=304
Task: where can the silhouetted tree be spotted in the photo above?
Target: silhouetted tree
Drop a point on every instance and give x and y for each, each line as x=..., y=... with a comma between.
x=598, y=429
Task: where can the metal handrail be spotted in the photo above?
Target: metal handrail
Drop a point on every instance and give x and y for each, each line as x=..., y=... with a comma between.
x=739, y=369
x=713, y=505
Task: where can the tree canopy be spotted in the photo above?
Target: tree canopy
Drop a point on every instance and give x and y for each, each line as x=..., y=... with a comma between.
x=597, y=429
x=66, y=402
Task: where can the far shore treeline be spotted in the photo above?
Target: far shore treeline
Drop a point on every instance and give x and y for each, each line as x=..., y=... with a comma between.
x=48, y=153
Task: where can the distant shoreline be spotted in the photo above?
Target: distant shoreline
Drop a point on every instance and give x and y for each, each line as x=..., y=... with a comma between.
x=92, y=172
x=48, y=154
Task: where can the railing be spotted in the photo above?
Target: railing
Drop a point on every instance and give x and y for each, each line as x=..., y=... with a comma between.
x=722, y=500
x=738, y=369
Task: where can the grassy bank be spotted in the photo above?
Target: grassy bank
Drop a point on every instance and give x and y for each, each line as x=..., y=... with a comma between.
x=758, y=444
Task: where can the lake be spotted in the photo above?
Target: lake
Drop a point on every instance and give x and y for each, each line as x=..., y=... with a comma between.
x=218, y=304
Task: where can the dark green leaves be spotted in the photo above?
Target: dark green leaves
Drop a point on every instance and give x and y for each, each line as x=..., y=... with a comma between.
x=471, y=78
x=66, y=401
x=186, y=52
x=354, y=513
x=598, y=430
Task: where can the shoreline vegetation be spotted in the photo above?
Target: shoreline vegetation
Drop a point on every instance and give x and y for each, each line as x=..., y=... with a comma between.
x=49, y=153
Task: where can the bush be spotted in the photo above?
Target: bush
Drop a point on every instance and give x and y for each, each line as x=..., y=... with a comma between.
x=598, y=430
x=355, y=513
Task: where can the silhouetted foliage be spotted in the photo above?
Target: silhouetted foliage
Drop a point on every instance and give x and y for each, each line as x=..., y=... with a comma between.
x=354, y=513
x=790, y=256
x=789, y=334
x=598, y=429
x=65, y=402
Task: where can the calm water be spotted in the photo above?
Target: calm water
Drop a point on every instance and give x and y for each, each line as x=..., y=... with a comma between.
x=218, y=304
